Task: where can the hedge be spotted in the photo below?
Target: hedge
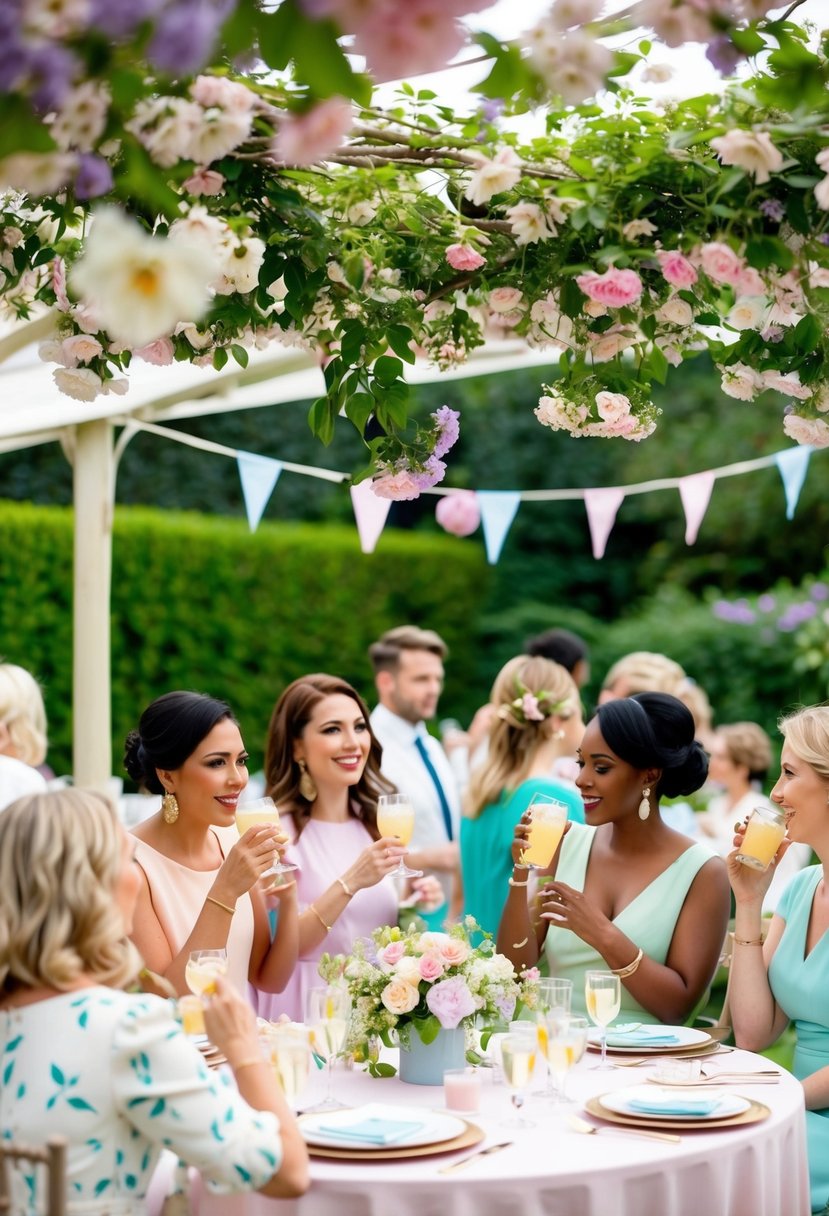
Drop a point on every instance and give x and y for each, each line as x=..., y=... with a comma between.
x=198, y=602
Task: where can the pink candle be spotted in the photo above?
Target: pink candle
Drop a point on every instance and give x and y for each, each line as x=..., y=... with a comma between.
x=462, y=1089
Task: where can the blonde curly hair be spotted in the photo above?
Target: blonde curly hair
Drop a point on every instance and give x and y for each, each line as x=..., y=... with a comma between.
x=807, y=731
x=60, y=857
x=23, y=714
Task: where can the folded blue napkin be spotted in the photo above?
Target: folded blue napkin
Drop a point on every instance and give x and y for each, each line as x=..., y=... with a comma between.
x=641, y=1038
x=372, y=1131
x=674, y=1105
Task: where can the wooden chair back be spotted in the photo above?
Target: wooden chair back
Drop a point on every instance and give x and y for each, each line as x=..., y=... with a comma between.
x=52, y=1156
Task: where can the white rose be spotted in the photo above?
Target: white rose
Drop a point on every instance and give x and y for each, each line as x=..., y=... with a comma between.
x=493, y=176
x=750, y=150
x=788, y=384
x=78, y=382
x=740, y=382
x=612, y=406
x=636, y=228
x=676, y=312
x=529, y=224
x=812, y=431
x=749, y=312
x=219, y=132
x=399, y=997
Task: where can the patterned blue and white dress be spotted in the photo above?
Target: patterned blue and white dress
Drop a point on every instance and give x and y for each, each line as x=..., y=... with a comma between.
x=114, y=1074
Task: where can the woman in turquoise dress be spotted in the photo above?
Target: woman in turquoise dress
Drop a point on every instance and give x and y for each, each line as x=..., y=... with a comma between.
x=536, y=725
x=786, y=977
x=625, y=892
x=108, y=1070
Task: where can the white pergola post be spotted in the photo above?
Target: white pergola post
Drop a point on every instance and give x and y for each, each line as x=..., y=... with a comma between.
x=94, y=503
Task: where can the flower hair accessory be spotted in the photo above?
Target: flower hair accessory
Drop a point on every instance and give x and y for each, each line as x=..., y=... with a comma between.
x=533, y=706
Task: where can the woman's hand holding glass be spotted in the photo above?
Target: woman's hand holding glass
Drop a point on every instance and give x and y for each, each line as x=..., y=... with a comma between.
x=203, y=969
x=396, y=817
x=750, y=885
x=230, y=1023
x=262, y=812
x=374, y=863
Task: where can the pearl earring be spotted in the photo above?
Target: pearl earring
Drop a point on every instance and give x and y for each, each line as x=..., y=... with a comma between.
x=644, y=805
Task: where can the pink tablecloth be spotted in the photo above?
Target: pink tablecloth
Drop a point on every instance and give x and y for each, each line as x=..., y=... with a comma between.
x=550, y=1170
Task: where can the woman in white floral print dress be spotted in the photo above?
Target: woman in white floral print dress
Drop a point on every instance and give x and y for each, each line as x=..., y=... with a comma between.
x=109, y=1070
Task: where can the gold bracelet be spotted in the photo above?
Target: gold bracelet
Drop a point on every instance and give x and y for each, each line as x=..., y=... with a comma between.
x=624, y=972
x=219, y=904
x=745, y=941
x=513, y=883
x=313, y=908
x=249, y=1063
x=345, y=887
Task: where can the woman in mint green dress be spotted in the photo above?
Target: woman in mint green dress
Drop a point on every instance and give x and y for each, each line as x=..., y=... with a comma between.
x=111, y=1071
x=626, y=893
x=786, y=978
x=537, y=724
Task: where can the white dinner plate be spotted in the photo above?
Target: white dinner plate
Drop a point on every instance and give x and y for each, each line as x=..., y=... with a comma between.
x=727, y=1104
x=637, y=1040
x=435, y=1126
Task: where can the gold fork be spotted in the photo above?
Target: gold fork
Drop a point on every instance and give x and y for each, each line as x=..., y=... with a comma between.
x=588, y=1129
x=481, y=1152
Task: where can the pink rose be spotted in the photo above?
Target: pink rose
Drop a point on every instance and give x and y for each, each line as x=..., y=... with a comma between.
x=505, y=299
x=616, y=288
x=450, y=1001
x=461, y=257
x=204, y=181
x=453, y=951
x=676, y=268
x=721, y=263
x=305, y=139
x=431, y=967
x=459, y=513
x=529, y=708
x=399, y=487
x=160, y=353
x=391, y=954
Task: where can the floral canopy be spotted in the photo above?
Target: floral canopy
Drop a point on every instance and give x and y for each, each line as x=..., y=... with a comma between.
x=191, y=180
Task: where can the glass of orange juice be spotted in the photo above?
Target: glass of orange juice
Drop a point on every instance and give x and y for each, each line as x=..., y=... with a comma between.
x=547, y=819
x=395, y=817
x=252, y=815
x=203, y=966
x=764, y=832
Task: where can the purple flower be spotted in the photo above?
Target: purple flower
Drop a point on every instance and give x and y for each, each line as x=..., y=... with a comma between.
x=450, y=1001
x=824, y=238
x=446, y=421
x=118, y=18
x=773, y=209
x=767, y=603
x=492, y=108
x=819, y=591
x=94, y=177
x=51, y=70
x=723, y=55
x=433, y=471
x=185, y=35
x=774, y=333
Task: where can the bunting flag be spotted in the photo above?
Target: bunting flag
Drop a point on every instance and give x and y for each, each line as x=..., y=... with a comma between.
x=498, y=510
x=258, y=475
x=695, y=492
x=370, y=512
x=793, y=464
x=601, y=506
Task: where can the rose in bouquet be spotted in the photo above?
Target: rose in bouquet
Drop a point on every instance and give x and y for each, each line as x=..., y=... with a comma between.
x=404, y=981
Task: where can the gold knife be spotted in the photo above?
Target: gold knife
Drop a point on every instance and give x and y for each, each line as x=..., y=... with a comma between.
x=482, y=1152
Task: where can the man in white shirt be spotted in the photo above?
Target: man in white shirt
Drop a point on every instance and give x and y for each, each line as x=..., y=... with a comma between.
x=408, y=674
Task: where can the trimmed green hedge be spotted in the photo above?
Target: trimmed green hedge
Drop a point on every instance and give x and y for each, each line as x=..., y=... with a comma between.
x=198, y=602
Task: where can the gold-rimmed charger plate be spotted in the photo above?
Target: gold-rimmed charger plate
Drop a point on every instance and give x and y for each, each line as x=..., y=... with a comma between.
x=470, y=1136
x=699, y=1046
x=756, y=1113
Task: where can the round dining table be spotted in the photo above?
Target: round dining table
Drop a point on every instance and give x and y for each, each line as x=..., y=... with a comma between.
x=550, y=1169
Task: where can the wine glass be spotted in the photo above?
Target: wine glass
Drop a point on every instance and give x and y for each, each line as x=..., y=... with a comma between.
x=327, y=1011
x=255, y=813
x=395, y=817
x=603, y=996
x=289, y=1047
x=554, y=998
x=517, y=1061
x=566, y=1041
x=202, y=968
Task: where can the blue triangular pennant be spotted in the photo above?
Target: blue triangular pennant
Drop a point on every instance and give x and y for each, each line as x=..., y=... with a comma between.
x=258, y=475
x=498, y=510
x=793, y=464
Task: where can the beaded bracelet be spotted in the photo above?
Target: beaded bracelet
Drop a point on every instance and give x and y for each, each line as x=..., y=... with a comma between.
x=313, y=908
x=219, y=904
x=624, y=972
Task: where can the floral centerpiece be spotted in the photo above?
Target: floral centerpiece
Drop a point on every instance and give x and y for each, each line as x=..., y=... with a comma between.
x=404, y=981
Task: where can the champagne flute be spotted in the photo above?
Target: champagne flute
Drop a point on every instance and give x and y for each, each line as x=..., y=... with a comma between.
x=327, y=1011
x=603, y=996
x=289, y=1047
x=255, y=813
x=517, y=1061
x=566, y=1041
x=202, y=968
x=395, y=817
x=554, y=998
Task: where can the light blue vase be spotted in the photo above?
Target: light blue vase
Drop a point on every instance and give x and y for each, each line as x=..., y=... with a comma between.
x=424, y=1063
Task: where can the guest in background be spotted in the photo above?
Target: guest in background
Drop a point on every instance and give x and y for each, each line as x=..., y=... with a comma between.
x=22, y=735
x=739, y=761
x=199, y=885
x=642, y=671
x=626, y=892
x=784, y=978
x=565, y=648
x=108, y=1070
x=322, y=768
x=408, y=674
x=537, y=721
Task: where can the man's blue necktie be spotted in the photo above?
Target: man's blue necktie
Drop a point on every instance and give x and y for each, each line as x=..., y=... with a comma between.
x=430, y=768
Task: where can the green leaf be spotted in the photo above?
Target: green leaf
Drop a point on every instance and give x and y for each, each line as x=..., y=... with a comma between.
x=322, y=65
x=381, y=1070
x=276, y=34
x=387, y=370
x=240, y=354
x=399, y=337
x=763, y=251
x=20, y=129
x=220, y=357
x=428, y=1029
x=321, y=418
x=749, y=41
x=358, y=409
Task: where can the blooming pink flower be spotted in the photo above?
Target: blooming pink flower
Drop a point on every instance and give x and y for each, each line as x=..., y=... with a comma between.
x=676, y=268
x=59, y=285
x=529, y=708
x=462, y=257
x=399, y=487
x=390, y=955
x=450, y=1001
x=721, y=263
x=400, y=40
x=446, y=421
x=431, y=967
x=398, y=996
x=304, y=139
x=615, y=288
x=204, y=181
x=453, y=951
x=505, y=299
x=160, y=353
x=459, y=513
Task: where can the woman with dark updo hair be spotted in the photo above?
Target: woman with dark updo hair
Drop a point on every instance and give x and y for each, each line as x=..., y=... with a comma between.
x=625, y=892
x=200, y=879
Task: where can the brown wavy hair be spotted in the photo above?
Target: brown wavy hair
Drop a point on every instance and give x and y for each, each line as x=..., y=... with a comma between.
x=290, y=716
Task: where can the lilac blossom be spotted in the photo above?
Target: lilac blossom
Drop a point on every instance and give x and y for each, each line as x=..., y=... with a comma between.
x=94, y=177
x=795, y=616
x=185, y=35
x=446, y=420
x=819, y=592
x=773, y=209
x=118, y=18
x=767, y=603
x=51, y=70
x=722, y=54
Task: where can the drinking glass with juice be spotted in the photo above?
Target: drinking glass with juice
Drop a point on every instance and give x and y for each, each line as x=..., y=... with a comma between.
x=547, y=819
x=764, y=832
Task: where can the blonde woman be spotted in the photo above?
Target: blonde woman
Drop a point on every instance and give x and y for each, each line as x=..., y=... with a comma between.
x=536, y=724
x=109, y=1070
x=22, y=734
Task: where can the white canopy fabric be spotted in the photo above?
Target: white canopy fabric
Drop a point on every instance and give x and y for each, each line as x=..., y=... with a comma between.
x=34, y=411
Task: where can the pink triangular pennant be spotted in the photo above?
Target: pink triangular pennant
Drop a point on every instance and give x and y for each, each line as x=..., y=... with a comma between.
x=370, y=512
x=695, y=492
x=601, y=506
